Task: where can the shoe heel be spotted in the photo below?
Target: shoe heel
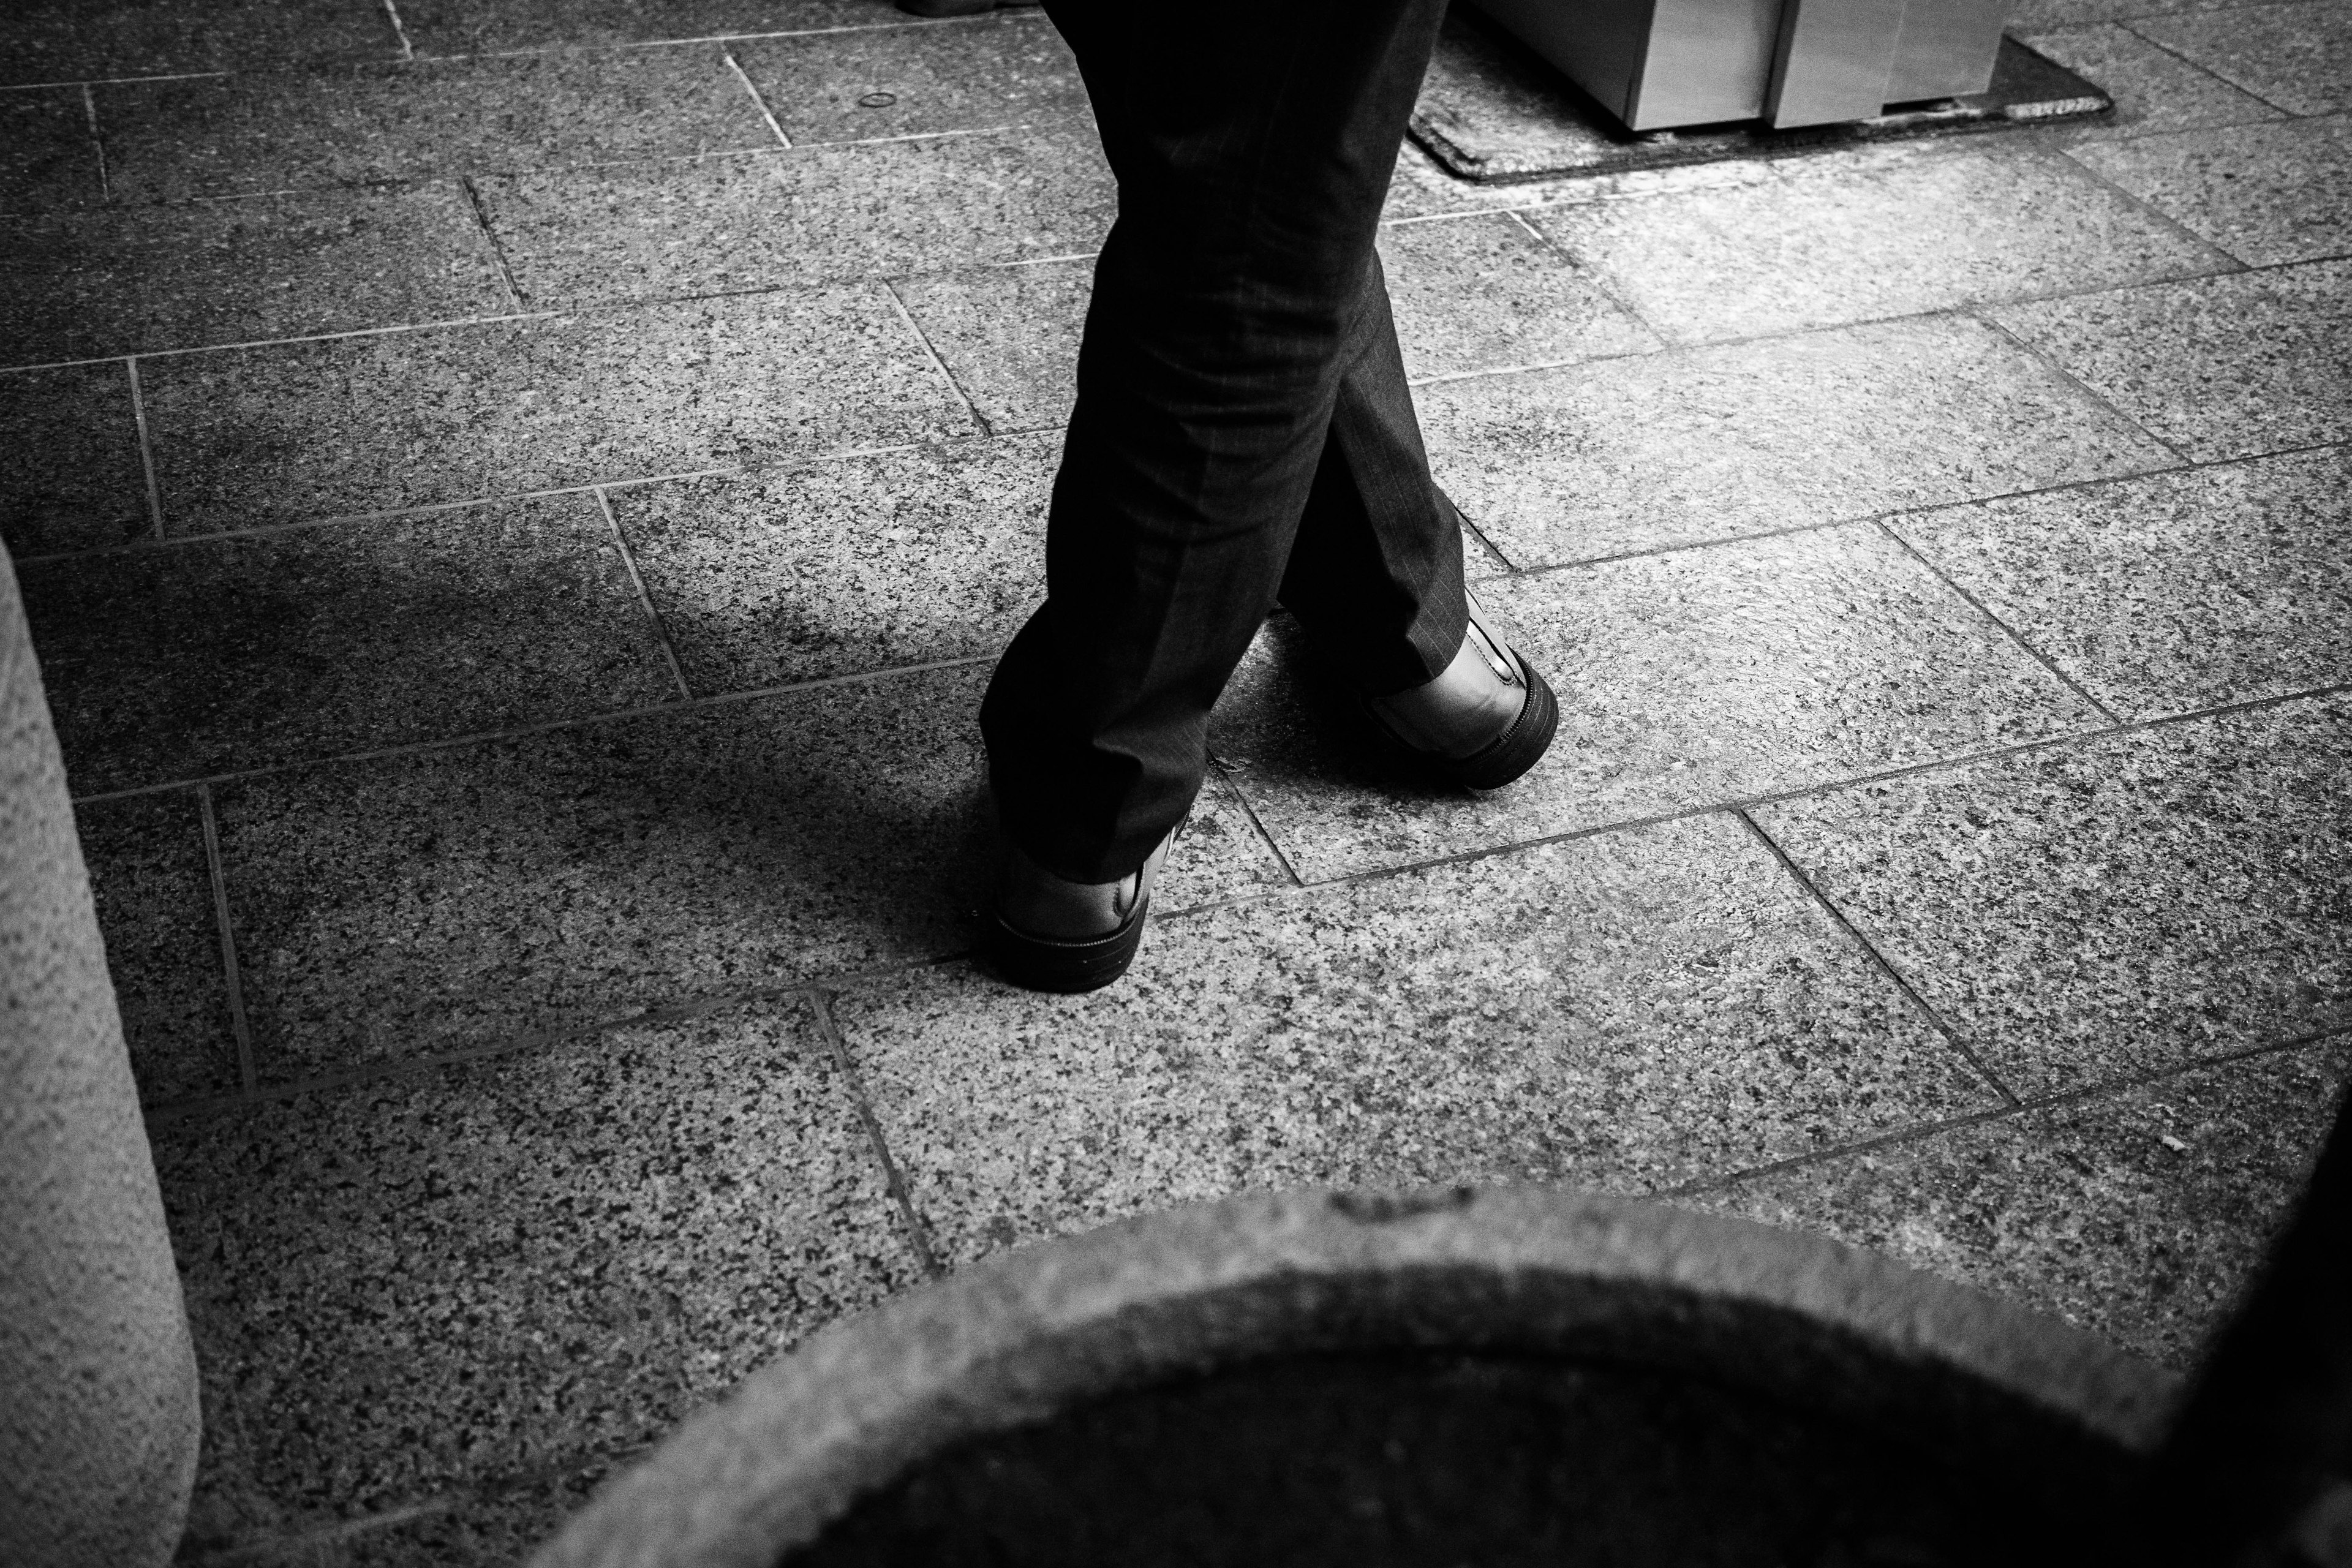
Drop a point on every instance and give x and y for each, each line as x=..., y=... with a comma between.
x=1521, y=746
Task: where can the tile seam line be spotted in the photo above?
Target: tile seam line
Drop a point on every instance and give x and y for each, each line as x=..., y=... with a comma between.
x=2038, y=354
x=1225, y=771
x=2084, y=170
x=482, y=212
x=2074, y=738
x=146, y=461
x=2014, y=636
x=618, y=304
x=909, y=25
x=399, y=31
x=544, y=727
x=758, y=99
x=939, y=363
x=307, y=338
x=108, y=80
x=2178, y=465
x=2198, y=66
x=1951, y=1036
x=240, y=1022
x=1603, y=284
x=97, y=144
x=2106, y=1089
x=919, y=1233
x=645, y=599
x=427, y=509
x=2070, y=737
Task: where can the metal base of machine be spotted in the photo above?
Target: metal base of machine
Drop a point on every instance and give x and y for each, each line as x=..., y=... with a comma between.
x=1494, y=112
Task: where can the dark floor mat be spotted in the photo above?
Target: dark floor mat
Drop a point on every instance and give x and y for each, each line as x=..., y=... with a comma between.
x=1494, y=112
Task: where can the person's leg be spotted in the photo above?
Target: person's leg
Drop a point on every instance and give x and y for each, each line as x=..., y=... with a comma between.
x=1253, y=143
x=1375, y=571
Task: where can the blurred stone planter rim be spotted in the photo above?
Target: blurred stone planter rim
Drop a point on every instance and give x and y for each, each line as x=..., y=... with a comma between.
x=1034, y=1333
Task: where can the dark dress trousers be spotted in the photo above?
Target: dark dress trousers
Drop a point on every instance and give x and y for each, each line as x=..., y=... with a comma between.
x=1243, y=433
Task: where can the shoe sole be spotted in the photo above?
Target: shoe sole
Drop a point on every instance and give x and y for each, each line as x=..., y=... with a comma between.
x=1045, y=964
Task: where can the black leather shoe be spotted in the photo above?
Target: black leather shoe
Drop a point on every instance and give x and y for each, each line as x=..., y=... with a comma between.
x=1485, y=721
x=1051, y=934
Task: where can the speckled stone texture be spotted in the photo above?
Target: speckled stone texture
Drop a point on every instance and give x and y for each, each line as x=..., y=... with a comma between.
x=69, y=472
x=2222, y=367
x=2138, y=1217
x=98, y=1434
x=855, y=564
x=473, y=26
x=803, y=215
x=1009, y=336
x=1605, y=460
x=1686, y=681
x=152, y=886
x=2297, y=57
x=72, y=40
x=140, y=280
x=497, y=1269
x=1006, y=68
x=1892, y=234
x=170, y=141
x=2265, y=194
x=271, y=648
x=47, y=157
x=2154, y=89
x=2171, y=592
x=408, y=419
x=480, y=895
x=2133, y=904
x=1484, y=292
x=1622, y=1014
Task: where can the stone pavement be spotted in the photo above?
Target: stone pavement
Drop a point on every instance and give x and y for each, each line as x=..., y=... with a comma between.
x=518, y=498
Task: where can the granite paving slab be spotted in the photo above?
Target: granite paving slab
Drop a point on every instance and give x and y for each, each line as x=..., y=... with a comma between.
x=2139, y=1216
x=1685, y=680
x=140, y=280
x=1009, y=335
x=2297, y=57
x=2222, y=367
x=1893, y=237
x=475, y=895
x=1625, y=1014
x=172, y=141
x=2026, y=16
x=269, y=649
x=486, y=1271
x=1006, y=68
x=74, y=40
x=477, y=26
x=47, y=157
x=70, y=477
x=2154, y=89
x=1482, y=292
x=408, y=419
x=2125, y=906
x=496, y=1526
x=153, y=890
x=855, y=564
x=803, y=215
x=1698, y=445
x=2173, y=592
x=2265, y=194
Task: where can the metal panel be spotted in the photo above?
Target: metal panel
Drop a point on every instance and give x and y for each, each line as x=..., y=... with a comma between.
x=1947, y=49
x=1598, y=46
x=1708, y=61
x=1833, y=60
